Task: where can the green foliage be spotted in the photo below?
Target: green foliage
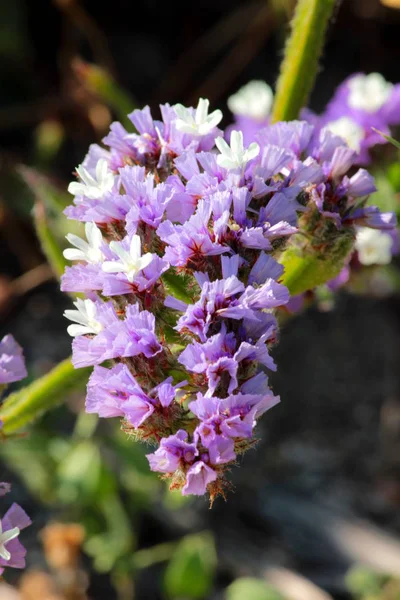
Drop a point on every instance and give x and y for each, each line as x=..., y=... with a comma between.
x=48, y=241
x=49, y=203
x=27, y=404
x=251, y=588
x=302, y=53
x=190, y=572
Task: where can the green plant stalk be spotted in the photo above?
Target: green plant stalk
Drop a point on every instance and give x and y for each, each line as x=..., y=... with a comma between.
x=302, y=53
x=25, y=405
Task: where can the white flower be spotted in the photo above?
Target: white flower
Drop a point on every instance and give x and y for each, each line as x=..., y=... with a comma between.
x=93, y=187
x=85, y=316
x=201, y=123
x=369, y=92
x=373, y=246
x=253, y=100
x=235, y=156
x=6, y=537
x=90, y=250
x=350, y=131
x=130, y=262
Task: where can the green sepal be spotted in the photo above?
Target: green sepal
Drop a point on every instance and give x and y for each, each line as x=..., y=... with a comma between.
x=316, y=254
x=181, y=286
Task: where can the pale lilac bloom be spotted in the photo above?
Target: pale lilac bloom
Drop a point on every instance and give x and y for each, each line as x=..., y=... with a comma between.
x=83, y=278
x=174, y=452
x=192, y=241
x=12, y=552
x=116, y=393
x=198, y=477
x=12, y=362
x=118, y=284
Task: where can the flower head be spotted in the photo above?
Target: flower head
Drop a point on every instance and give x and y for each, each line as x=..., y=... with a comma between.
x=96, y=186
x=130, y=262
x=197, y=122
x=235, y=156
x=85, y=316
x=89, y=251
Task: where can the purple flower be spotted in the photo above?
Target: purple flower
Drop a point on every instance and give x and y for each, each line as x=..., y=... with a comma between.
x=112, y=337
x=197, y=479
x=173, y=452
x=116, y=393
x=12, y=363
x=192, y=241
x=12, y=552
x=214, y=359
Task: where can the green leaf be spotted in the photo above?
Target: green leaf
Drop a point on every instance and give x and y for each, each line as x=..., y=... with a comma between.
x=388, y=138
x=48, y=241
x=48, y=218
x=251, y=588
x=302, y=53
x=26, y=405
x=190, y=572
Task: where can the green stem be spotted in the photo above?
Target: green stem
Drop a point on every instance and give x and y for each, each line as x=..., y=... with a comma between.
x=27, y=404
x=302, y=53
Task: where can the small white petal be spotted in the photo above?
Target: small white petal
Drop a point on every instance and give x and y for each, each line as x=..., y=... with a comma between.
x=72, y=254
x=113, y=267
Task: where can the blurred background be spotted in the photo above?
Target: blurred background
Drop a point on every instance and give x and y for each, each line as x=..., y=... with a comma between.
x=315, y=512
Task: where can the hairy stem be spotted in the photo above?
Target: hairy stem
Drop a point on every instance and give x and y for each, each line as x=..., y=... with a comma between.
x=302, y=53
x=27, y=404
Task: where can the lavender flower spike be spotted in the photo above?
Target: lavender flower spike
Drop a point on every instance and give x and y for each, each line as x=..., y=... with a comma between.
x=180, y=270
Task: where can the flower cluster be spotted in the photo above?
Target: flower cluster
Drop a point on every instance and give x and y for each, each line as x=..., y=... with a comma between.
x=12, y=552
x=181, y=280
